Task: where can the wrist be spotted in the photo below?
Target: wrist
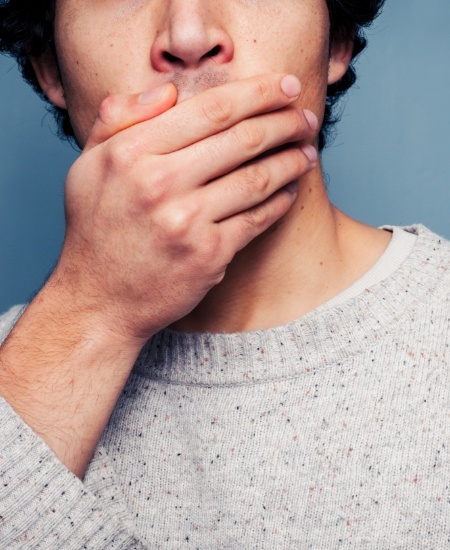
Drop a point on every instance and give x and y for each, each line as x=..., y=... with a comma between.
x=83, y=316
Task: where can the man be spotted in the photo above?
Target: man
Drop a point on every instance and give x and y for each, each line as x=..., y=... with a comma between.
x=298, y=399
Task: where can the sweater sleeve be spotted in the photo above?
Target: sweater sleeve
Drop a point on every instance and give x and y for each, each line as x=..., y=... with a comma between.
x=43, y=504
x=8, y=319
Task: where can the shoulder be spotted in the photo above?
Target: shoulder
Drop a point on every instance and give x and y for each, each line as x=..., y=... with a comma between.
x=426, y=271
x=428, y=238
x=430, y=252
x=8, y=320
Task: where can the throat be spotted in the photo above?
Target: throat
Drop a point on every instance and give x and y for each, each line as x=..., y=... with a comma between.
x=310, y=256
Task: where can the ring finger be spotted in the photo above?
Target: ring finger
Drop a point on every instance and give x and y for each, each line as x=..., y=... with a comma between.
x=253, y=183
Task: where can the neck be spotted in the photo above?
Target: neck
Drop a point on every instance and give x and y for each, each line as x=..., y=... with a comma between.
x=305, y=259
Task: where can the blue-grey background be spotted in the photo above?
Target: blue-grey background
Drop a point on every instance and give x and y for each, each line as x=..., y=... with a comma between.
x=388, y=163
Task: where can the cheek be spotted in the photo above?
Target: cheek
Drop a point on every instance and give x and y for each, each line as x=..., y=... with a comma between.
x=79, y=74
x=289, y=33
x=308, y=54
x=83, y=93
x=94, y=65
x=301, y=46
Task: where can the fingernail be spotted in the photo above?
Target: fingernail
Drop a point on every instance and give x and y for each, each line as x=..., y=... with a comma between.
x=310, y=152
x=291, y=86
x=292, y=187
x=152, y=96
x=313, y=121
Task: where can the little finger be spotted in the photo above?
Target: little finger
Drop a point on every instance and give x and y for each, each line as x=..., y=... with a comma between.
x=239, y=230
x=253, y=183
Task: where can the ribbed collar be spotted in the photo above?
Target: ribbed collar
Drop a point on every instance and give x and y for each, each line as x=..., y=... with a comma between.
x=323, y=337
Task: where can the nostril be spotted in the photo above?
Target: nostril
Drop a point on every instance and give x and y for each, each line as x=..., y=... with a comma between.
x=174, y=59
x=171, y=58
x=174, y=52
x=212, y=53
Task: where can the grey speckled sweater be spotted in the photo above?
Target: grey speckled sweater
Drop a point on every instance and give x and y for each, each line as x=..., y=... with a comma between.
x=330, y=432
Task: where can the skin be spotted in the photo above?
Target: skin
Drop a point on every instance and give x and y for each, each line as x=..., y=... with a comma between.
x=177, y=210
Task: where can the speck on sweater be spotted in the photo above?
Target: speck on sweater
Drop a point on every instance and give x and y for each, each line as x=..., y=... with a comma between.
x=332, y=431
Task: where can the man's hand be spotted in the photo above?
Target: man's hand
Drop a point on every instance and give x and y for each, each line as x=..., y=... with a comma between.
x=159, y=202
x=156, y=212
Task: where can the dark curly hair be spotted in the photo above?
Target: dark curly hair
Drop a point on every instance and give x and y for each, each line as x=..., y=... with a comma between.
x=27, y=26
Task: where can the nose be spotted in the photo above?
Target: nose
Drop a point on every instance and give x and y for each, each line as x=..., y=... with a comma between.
x=192, y=35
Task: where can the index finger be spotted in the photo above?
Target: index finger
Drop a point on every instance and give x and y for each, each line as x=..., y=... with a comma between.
x=119, y=112
x=216, y=110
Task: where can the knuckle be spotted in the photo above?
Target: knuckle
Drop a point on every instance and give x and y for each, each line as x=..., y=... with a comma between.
x=257, y=217
x=108, y=111
x=120, y=155
x=179, y=221
x=251, y=136
x=263, y=92
x=257, y=178
x=293, y=161
x=217, y=107
x=260, y=218
x=152, y=192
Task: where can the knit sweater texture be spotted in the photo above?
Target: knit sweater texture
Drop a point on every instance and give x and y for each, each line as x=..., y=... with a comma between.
x=332, y=431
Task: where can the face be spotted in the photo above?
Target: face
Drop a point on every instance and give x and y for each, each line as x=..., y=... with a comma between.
x=129, y=46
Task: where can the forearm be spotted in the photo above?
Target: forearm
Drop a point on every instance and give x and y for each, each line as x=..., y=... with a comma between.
x=43, y=505
x=62, y=371
x=149, y=232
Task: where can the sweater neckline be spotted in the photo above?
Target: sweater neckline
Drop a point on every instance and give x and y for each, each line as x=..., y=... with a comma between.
x=323, y=337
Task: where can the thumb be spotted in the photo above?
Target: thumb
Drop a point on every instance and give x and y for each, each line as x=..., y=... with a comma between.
x=118, y=112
